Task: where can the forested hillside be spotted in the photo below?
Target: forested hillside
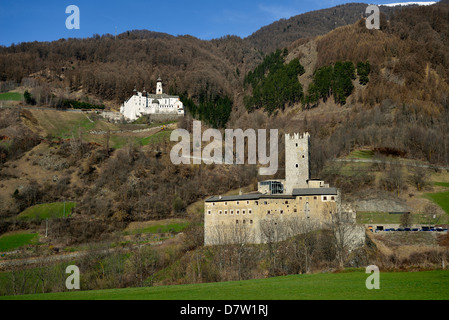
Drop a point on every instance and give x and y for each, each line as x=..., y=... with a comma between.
x=308, y=25
x=384, y=91
x=110, y=68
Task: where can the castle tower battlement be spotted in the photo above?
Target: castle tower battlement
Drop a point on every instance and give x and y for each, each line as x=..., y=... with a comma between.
x=297, y=136
x=297, y=157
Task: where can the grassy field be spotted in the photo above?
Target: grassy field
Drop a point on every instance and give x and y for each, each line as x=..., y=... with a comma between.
x=431, y=285
x=440, y=198
x=381, y=217
x=65, y=124
x=47, y=211
x=156, y=138
x=361, y=154
x=441, y=184
x=165, y=226
x=10, y=96
x=12, y=241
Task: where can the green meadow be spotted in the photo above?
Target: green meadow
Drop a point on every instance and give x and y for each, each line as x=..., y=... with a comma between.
x=440, y=198
x=361, y=154
x=12, y=241
x=379, y=217
x=11, y=96
x=442, y=184
x=156, y=138
x=47, y=211
x=430, y=285
x=165, y=226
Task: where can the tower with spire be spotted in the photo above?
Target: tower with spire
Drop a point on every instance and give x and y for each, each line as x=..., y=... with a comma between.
x=159, y=86
x=144, y=103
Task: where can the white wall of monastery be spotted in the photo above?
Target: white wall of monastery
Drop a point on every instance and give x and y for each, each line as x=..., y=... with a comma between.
x=141, y=104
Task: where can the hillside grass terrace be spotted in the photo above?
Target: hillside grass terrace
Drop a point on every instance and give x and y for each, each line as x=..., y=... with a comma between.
x=11, y=96
x=47, y=211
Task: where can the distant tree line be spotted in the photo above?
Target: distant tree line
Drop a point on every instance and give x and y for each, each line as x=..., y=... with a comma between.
x=215, y=112
x=274, y=83
x=110, y=68
x=336, y=80
x=74, y=104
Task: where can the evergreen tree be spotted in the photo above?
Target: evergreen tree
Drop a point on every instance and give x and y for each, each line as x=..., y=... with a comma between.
x=274, y=83
x=331, y=80
x=29, y=99
x=363, y=70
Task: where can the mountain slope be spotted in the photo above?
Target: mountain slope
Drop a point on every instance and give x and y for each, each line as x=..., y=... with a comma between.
x=308, y=25
x=109, y=68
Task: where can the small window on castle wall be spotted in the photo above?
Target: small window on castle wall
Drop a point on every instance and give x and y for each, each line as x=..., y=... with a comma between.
x=282, y=211
x=232, y=212
x=247, y=202
x=315, y=198
x=238, y=211
x=268, y=212
x=238, y=202
x=226, y=212
x=226, y=203
x=221, y=212
x=251, y=221
x=250, y=211
x=209, y=212
x=243, y=212
x=297, y=166
x=236, y=222
x=325, y=198
x=333, y=198
x=244, y=221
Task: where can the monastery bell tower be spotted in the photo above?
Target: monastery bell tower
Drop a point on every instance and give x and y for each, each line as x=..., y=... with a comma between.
x=159, y=86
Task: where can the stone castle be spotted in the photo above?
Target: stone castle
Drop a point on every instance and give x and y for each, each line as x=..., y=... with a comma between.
x=295, y=199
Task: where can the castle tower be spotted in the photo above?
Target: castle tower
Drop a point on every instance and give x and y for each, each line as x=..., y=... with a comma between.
x=159, y=86
x=297, y=171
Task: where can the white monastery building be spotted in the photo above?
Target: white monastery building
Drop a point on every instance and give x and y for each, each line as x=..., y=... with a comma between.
x=143, y=103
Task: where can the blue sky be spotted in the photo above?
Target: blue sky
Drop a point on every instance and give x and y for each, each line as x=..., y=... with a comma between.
x=44, y=20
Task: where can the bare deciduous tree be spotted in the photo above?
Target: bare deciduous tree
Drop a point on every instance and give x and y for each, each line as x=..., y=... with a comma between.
x=345, y=234
x=143, y=263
